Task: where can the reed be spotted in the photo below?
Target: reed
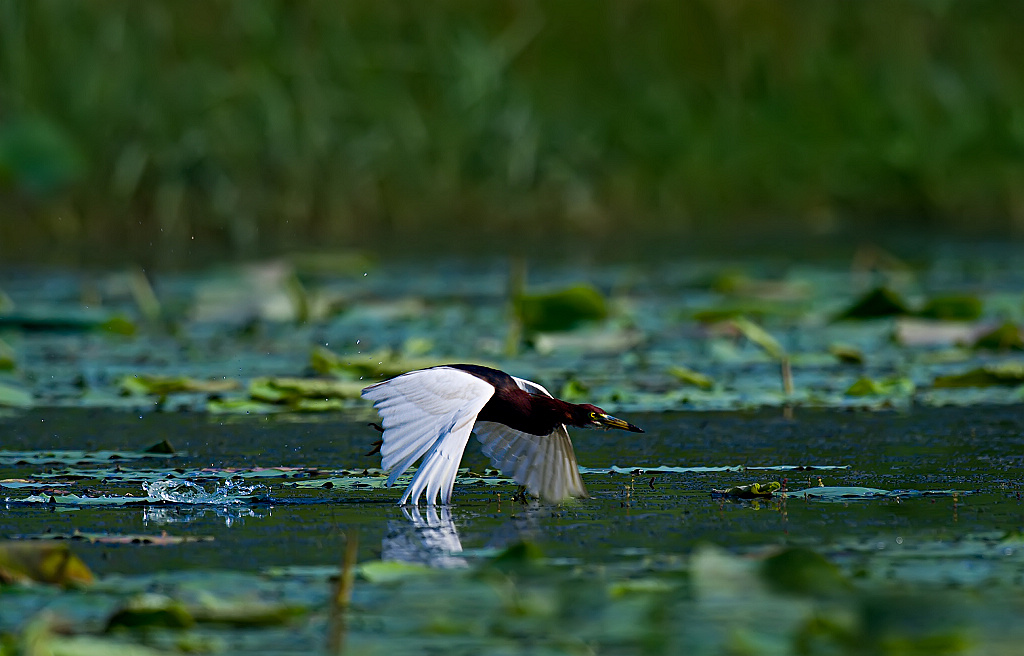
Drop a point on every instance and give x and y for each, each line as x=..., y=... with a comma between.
x=246, y=126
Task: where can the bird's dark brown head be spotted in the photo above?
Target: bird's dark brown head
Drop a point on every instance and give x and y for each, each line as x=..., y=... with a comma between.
x=586, y=414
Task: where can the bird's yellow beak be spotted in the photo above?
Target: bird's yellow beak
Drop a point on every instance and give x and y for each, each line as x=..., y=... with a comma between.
x=608, y=421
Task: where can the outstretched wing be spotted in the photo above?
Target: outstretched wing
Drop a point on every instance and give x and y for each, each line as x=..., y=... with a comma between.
x=544, y=464
x=427, y=413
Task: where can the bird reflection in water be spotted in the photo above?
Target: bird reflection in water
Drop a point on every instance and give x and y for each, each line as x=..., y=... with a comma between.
x=428, y=539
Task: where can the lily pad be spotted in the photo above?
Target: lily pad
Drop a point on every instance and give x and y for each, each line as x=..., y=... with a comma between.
x=865, y=386
x=163, y=447
x=999, y=374
x=879, y=302
x=640, y=470
x=367, y=366
x=42, y=562
x=847, y=354
x=241, y=612
x=66, y=319
x=19, y=483
x=803, y=571
x=911, y=331
x=237, y=406
x=15, y=397
x=389, y=571
x=691, y=377
x=151, y=610
x=1003, y=338
x=149, y=384
x=8, y=361
x=74, y=457
x=299, y=391
x=863, y=493
x=560, y=310
x=953, y=307
x=163, y=539
x=602, y=339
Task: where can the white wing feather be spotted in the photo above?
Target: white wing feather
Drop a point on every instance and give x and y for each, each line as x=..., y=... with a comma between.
x=544, y=464
x=428, y=413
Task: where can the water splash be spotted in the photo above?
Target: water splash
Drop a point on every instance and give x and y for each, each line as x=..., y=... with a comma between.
x=187, y=492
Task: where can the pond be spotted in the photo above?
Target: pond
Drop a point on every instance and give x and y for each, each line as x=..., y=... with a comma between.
x=214, y=517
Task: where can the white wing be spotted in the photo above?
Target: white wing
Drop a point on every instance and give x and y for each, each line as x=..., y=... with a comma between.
x=544, y=464
x=428, y=413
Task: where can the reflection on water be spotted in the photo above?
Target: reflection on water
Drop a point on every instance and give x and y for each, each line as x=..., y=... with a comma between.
x=429, y=540
x=232, y=515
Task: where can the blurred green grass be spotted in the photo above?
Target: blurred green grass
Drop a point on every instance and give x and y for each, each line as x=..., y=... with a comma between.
x=250, y=126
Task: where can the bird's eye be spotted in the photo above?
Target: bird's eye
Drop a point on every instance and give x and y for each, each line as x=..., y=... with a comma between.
x=593, y=415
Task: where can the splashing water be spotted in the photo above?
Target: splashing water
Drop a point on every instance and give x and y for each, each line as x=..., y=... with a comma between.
x=187, y=492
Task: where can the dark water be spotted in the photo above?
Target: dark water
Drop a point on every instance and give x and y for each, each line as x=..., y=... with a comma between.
x=975, y=451
x=647, y=565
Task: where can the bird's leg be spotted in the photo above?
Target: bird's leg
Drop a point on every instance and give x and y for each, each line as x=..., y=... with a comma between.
x=379, y=443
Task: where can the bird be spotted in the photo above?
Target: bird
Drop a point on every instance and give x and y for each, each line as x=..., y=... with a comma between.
x=430, y=413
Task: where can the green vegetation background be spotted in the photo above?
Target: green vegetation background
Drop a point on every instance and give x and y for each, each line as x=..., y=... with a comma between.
x=247, y=126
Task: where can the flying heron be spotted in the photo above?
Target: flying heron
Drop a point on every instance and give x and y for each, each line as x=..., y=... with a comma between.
x=429, y=414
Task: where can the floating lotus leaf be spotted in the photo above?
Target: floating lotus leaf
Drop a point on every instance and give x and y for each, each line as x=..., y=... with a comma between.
x=149, y=611
x=1008, y=336
x=846, y=354
x=305, y=394
x=367, y=366
x=999, y=374
x=67, y=319
x=560, y=310
x=163, y=539
x=75, y=457
x=15, y=397
x=691, y=377
x=8, y=361
x=953, y=307
x=42, y=562
x=879, y=302
x=863, y=493
x=803, y=571
x=865, y=386
x=149, y=384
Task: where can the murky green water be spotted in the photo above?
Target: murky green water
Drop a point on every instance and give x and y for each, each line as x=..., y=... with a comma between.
x=633, y=547
x=900, y=530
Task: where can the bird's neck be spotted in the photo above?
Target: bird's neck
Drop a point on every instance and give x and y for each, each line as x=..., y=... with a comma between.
x=531, y=413
x=557, y=411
